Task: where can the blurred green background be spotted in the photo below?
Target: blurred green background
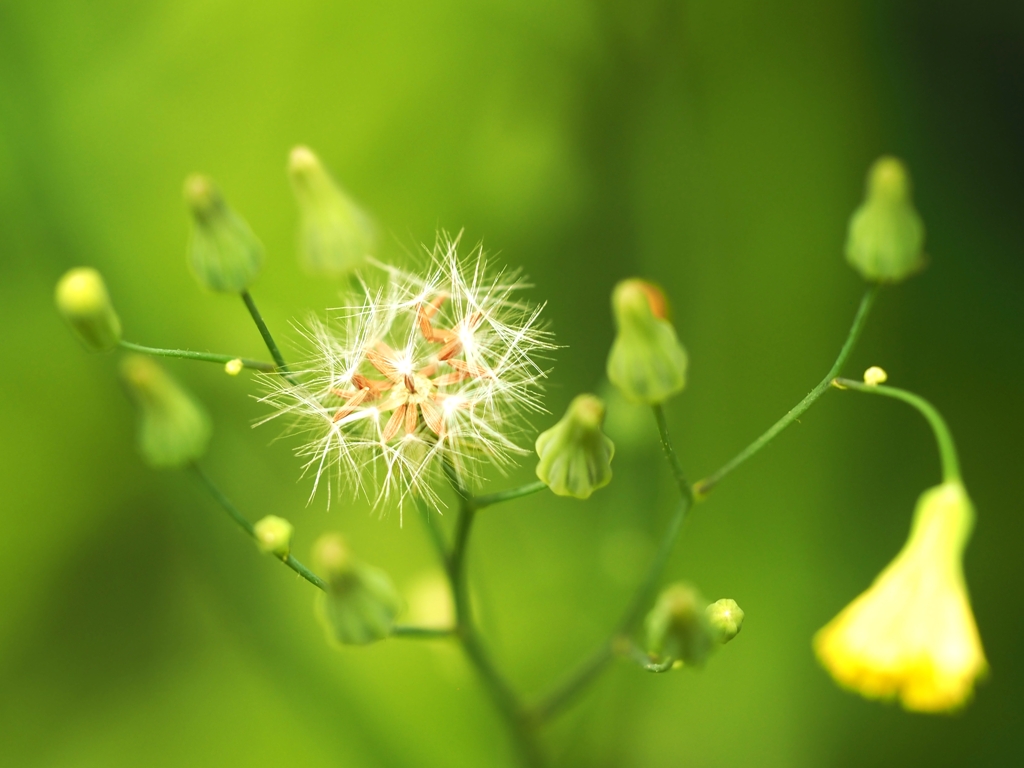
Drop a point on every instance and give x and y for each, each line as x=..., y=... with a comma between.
x=715, y=147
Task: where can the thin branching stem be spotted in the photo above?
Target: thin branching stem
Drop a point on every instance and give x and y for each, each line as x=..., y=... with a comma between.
x=268, y=339
x=943, y=436
x=249, y=528
x=479, y=502
x=703, y=487
x=421, y=633
x=619, y=643
x=208, y=357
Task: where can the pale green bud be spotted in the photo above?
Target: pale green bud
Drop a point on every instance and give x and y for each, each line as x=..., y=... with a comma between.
x=360, y=603
x=677, y=627
x=173, y=428
x=885, y=238
x=82, y=300
x=222, y=250
x=335, y=236
x=575, y=455
x=647, y=363
x=725, y=618
x=274, y=536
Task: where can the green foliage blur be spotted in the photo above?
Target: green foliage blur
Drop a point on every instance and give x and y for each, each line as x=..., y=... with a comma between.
x=716, y=148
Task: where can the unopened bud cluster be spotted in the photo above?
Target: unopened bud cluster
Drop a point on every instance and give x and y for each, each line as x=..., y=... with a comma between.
x=684, y=627
x=575, y=455
x=224, y=253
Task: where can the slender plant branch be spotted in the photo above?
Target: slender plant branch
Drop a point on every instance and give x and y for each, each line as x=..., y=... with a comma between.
x=207, y=357
x=703, y=487
x=479, y=502
x=250, y=529
x=265, y=333
x=618, y=643
x=504, y=697
x=943, y=436
x=424, y=633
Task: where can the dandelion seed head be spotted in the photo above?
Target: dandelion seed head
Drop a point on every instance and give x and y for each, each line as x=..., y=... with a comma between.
x=432, y=368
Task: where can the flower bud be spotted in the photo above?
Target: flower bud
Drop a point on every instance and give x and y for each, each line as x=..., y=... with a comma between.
x=725, y=618
x=677, y=627
x=360, y=603
x=874, y=376
x=335, y=236
x=886, y=235
x=83, y=301
x=647, y=363
x=274, y=536
x=173, y=428
x=224, y=253
x=575, y=455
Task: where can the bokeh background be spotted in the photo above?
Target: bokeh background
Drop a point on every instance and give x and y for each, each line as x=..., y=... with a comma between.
x=715, y=147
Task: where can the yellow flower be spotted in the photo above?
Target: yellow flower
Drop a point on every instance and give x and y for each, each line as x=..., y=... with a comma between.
x=912, y=634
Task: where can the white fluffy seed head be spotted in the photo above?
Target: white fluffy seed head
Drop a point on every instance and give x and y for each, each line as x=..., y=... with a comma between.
x=426, y=369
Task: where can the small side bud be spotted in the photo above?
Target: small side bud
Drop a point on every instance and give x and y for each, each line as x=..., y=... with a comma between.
x=83, y=301
x=173, y=428
x=874, y=376
x=677, y=627
x=335, y=236
x=360, y=604
x=647, y=363
x=885, y=237
x=274, y=536
x=233, y=367
x=725, y=618
x=575, y=455
x=222, y=250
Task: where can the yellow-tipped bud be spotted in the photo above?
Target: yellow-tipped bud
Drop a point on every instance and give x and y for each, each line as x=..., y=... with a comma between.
x=874, y=376
x=174, y=430
x=233, y=367
x=885, y=238
x=575, y=455
x=223, y=252
x=725, y=618
x=360, y=604
x=335, y=236
x=677, y=627
x=912, y=634
x=83, y=301
x=274, y=536
x=647, y=363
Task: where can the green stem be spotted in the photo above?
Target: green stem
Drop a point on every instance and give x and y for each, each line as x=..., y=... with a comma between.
x=501, y=693
x=479, y=502
x=208, y=357
x=944, y=438
x=265, y=333
x=425, y=633
x=250, y=529
x=703, y=487
x=564, y=694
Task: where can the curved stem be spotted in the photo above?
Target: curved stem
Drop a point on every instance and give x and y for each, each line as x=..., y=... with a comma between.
x=208, y=357
x=250, y=529
x=564, y=694
x=479, y=502
x=703, y=487
x=944, y=438
x=265, y=333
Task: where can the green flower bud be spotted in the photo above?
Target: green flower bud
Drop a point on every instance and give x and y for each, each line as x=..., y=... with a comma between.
x=173, y=428
x=360, y=603
x=335, y=236
x=677, y=627
x=647, y=363
x=886, y=234
x=725, y=618
x=575, y=455
x=83, y=301
x=224, y=253
x=274, y=536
